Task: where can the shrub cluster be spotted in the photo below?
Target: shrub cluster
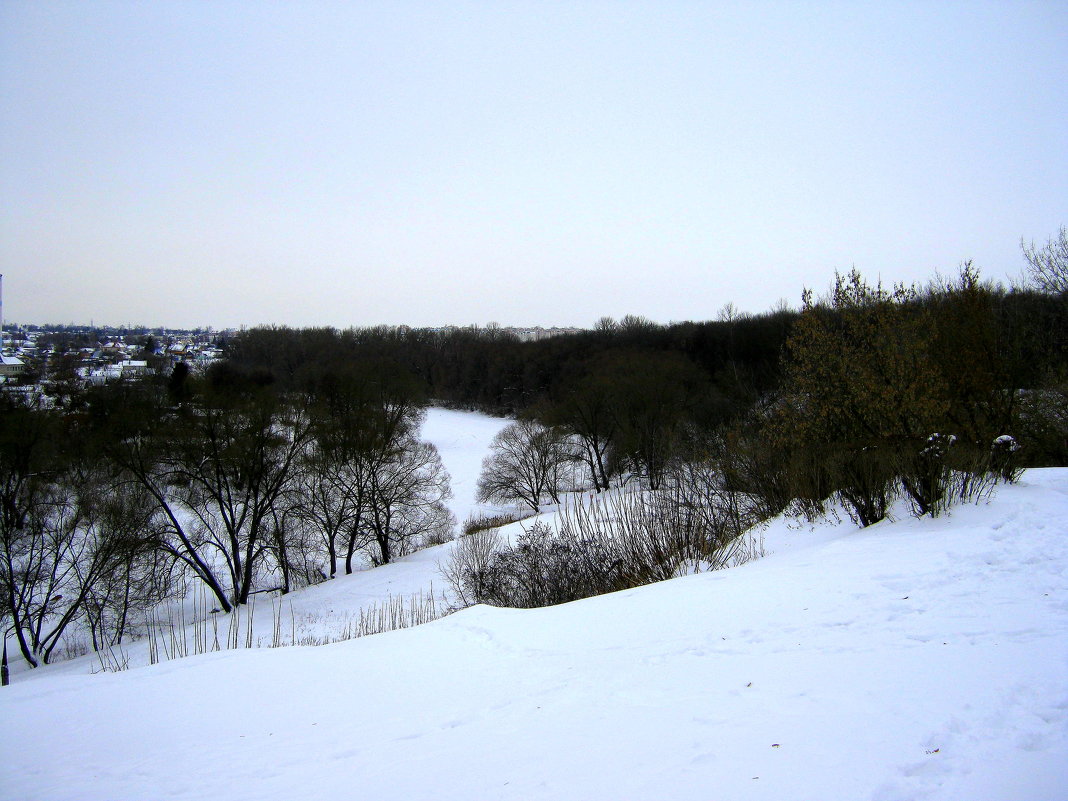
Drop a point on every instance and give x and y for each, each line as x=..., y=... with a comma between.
x=616, y=542
x=888, y=394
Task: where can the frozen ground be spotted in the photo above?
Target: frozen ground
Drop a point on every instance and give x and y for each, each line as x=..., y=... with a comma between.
x=912, y=660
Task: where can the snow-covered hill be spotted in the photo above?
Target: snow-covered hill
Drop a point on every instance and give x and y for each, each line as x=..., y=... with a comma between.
x=917, y=659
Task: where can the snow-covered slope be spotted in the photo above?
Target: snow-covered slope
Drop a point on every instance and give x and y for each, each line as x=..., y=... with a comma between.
x=919, y=659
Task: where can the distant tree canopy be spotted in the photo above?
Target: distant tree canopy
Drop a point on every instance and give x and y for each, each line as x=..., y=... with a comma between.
x=485, y=368
x=1047, y=266
x=630, y=391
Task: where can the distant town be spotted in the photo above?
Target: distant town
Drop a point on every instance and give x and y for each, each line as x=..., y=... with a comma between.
x=93, y=355
x=36, y=357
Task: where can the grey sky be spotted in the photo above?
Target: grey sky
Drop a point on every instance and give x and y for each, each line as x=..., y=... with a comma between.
x=354, y=163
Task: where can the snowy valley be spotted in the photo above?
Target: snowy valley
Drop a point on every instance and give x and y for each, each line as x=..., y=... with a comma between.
x=914, y=659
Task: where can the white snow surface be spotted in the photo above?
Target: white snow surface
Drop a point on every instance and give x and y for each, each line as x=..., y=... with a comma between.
x=916, y=659
x=463, y=440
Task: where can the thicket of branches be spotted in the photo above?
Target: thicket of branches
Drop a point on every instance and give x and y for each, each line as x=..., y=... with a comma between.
x=690, y=523
x=227, y=479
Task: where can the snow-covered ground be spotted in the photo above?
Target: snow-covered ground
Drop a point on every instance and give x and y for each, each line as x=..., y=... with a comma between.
x=917, y=659
x=463, y=440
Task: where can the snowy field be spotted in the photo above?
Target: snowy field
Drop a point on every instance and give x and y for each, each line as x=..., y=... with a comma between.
x=917, y=659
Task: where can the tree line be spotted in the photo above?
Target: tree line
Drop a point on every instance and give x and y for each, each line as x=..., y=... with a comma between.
x=845, y=371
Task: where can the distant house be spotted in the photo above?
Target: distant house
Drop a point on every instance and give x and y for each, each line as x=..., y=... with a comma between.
x=208, y=356
x=537, y=333
x=11, y=367
x=179, y=350
x=132, y=367
x=112, y=349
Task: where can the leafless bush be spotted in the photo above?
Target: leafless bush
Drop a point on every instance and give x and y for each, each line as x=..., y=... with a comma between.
x=751, y=462
x=438, y=536
x=865, y=481
x=945, y=472
x=481, y=522
x=691, y=523
x=544, y=568
x=723, y=526
x=466, y=567
x=74, y=646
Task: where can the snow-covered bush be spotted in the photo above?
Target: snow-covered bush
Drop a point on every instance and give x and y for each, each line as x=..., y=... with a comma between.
x=1004, y=461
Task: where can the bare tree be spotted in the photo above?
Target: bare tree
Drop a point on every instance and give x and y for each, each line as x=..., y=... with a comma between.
x=136, y=429
x=367, y=483
x=1047, y=266
x=652, y=397
x=139, y=576
x=605, y=325
x=328, y=500
x=58, y=545
x=406, y=501
x=525, y=464
x=229, y=465
x=362, y=427
x=587, y=411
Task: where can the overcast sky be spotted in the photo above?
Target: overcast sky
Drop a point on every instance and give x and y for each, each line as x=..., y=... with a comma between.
x=356, y=163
